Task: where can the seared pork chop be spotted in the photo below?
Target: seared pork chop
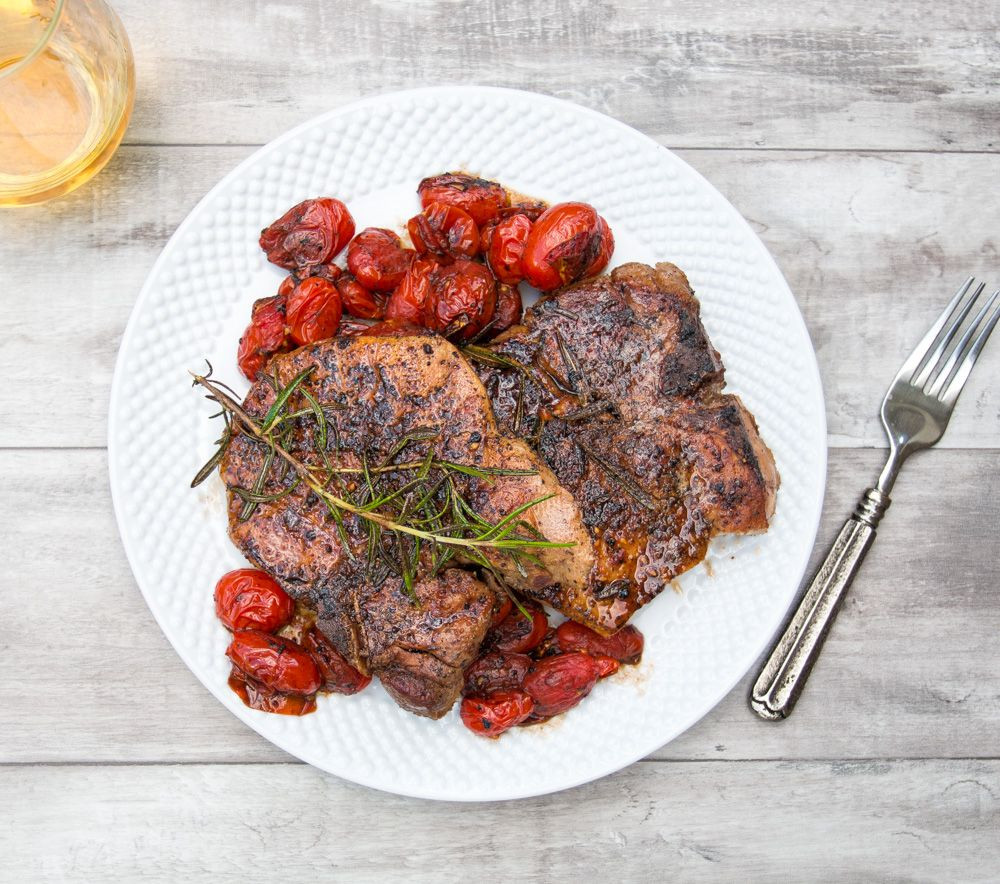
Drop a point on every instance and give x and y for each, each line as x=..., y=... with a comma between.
x=375, y=393
x=615, y=382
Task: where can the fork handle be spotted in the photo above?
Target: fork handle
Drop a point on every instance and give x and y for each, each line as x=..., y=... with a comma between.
x=793, y=655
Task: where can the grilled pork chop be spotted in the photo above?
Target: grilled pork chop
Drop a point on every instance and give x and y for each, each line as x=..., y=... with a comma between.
x=615, y=382
x=375, y=393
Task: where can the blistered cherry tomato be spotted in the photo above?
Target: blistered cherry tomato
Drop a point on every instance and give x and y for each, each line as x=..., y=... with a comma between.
x=509, y=309
x=603, y=255
x=338, y=675
x=504, y=604
x=625, y=645
x=256, y=696
x=496, y=671
x=264, y=337
x=517, y=634
x=444, y=230
x=287, y=284
x=359, y=301
x=486, y=236
x=277, y=663
x=567, y=242
x=250, y=599
x=464, y=299
x=507, y=248
x=547, y=647
x=410, y=302
x=559, y=683
x=493, y=715
x=531, y=209
x=606, y=665
x=313, y=311
x=311, y=233
x=329, y=272
x=482, y=199
x=377, y=259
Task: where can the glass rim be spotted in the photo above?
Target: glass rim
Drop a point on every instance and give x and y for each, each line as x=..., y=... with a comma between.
x=40, y=45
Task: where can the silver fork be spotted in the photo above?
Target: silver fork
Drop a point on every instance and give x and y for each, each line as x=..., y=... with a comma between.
x=914, y=413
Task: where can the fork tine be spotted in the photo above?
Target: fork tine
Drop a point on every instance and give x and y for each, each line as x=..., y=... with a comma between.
x=954, y=388
x=961, y=348
x=915, y=360
x=934, y=361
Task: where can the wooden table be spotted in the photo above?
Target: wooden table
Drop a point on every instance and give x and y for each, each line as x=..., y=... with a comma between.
x=859, y=139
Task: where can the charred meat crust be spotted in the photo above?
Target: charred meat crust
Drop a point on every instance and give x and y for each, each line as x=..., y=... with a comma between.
x=374, y=392
x=618, y=386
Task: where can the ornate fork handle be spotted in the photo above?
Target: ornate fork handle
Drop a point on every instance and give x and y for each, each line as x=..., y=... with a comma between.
x=792, y=658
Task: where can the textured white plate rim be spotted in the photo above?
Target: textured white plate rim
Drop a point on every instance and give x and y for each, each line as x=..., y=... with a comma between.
x=248, y=716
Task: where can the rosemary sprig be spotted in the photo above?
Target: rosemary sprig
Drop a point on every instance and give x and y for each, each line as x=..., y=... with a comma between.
x=574, y=373
x=625, y=481
x=589, y=411
x=402, y=521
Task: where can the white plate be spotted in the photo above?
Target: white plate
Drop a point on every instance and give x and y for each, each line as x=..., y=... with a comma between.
x=371, y=154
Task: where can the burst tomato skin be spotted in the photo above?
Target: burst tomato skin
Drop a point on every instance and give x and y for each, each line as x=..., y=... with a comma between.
x=495, y=671
x=339, y=677
x=310, y=233
x=516, y=634
x=531, y=209
x=456, y=299
x=445, y=231
x=567, y=242
x=506, y=248
x=559, y=683
x=625, y=646
x=504, y=604
x=359, y=301
x=464, y=299
x=410, y=302
x=377, y=259
x=486, y=236
x=606, y=665
x=264, y=337
x=277, y=663
x=250, y=599
x=493, y=715
x=482, y=199
x=509, y=309
x=313, y=311
x=257, y=696
x=604, y=251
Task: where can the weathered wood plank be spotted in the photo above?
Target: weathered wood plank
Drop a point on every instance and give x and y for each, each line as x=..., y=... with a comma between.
x=893, y=75
x=912, y=668
x=871, y=244
x=700, y=821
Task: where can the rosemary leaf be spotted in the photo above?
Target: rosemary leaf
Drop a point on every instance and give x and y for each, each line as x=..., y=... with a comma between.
x=283, y=396
x=252, y=497
x=625, y=481
x=511, y=517
x=258, y=486
x=213, y=461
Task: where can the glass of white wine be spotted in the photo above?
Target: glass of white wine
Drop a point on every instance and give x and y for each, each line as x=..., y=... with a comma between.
x=67, y=83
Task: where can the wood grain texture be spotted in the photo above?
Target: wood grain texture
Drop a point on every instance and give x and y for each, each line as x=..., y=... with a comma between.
x=872, y=245
x=699, y=821
x=892, y=75
x=912, y=668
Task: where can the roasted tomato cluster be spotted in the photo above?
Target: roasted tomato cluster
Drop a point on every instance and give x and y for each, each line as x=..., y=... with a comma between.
x=528, y=671
x=280, y=660
x=473, y=243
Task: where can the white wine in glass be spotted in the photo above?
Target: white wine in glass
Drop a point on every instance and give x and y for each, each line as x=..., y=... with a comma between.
x=67, y=83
